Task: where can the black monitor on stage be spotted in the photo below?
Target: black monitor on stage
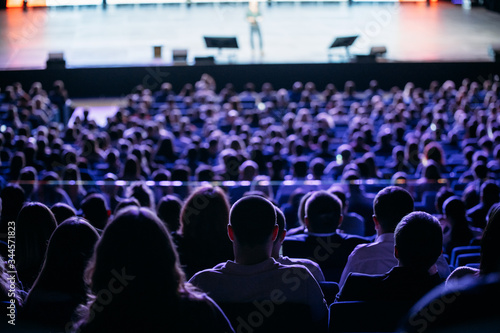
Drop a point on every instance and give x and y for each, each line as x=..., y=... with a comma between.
x=221, y=42
x=343, y=41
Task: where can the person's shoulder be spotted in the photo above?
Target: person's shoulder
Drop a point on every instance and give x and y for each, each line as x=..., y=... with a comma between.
x=217, y=270
x=355, y=239
x=300, y=261
x=297, y=237
x=362, y=248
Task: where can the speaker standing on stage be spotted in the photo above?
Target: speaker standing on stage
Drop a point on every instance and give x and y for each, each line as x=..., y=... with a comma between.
x=254, y=17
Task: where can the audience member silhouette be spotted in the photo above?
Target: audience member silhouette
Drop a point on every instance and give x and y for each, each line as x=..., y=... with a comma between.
x=124, y=270
x=284, y=260
x=489, y=194
x=459, y=233
x=254, y=274
x=125, y=203
x=12, y=200
x=320, y=241
x=60, y=287
x=490, y=254
x=62, y=212
x=352, y=223
x=95, y=211
x=390, y=205
x=418, y=242
x=34, y=226
x=204, y=241
x=169, y=211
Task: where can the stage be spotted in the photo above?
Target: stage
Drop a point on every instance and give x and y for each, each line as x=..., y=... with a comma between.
x=299, y=32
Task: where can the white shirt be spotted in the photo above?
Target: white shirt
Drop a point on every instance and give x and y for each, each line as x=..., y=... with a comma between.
x=309, y=264
x=372, y=258
x=235, y=283
x=378, y=258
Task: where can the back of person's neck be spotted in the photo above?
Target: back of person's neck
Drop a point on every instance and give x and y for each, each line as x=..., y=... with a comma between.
x=246, y=255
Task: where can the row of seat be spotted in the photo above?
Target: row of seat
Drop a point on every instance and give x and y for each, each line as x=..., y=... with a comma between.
x=267, y=316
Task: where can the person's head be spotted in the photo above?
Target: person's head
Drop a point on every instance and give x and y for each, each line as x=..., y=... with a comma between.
x=441, y=196
x=34, y=226
x=455, y=212
x=169, y=211
x=252, y=222
x=95, y=210
x=470, y=196
x=323, y=212
x=206, y=210
x=69, y=250
x=490, y=246
x=433, y=151
x=13, y=197
x=490, y=193
x=248, y=170
x=418, y=241
x=142, y=193
x=204, y=218
x=126, y=202
x=62, y=212
x=152, y=261
x=431, y=171
x=390, y=205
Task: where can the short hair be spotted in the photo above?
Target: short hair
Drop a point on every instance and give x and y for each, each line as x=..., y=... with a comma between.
x=62, y=212
x=95, y=210
x=390, y=205
x=339, y=193
x=253, y=219
x=142, y=193
x=169, y=211
x=323, y=210
x=490, y=192
x=126, y=202
x=419, y=240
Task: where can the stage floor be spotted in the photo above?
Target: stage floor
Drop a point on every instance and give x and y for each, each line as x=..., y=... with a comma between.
x=292, y=33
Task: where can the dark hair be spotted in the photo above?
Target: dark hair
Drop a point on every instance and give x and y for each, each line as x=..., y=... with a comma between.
x=95, y=210
x=70, y=248
x=12, y=201
x=390, y=205
x=204, y=219
x=490, y=246
x=151, y=262
x=62, y=212
x=126, y=202
x=323, y=211
x=490, y=192
x=441, y=196
x=142, y=193
x=169, y=211
x=419, y=240
x=253, y=219
x=34, y=226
